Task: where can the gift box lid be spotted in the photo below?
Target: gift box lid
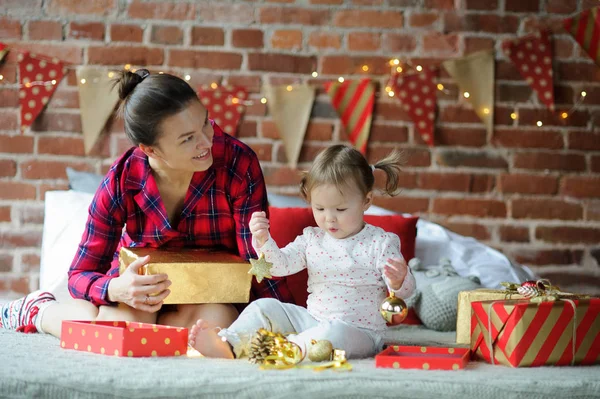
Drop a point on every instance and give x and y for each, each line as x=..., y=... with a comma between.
x=124, y=338
x=423, y=357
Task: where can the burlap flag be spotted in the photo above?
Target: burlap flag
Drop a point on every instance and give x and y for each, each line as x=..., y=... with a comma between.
x=225, y=105
x=3, y=51
x=475, y=76
x=417, y=91
x=97, y=101
x=290, y=110
x=532, y=55
x=39, y=77
x=585, y=28
x=353, y=100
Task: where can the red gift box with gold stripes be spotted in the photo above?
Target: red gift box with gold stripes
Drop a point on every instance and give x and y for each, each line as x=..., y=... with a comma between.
x=124, y=338
x=522, y=333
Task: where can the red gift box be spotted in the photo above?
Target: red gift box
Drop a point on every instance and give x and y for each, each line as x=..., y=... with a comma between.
x=124, y=338
x=423, y=357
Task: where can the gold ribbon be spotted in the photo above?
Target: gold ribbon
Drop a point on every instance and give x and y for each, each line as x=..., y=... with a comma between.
x=339, y=363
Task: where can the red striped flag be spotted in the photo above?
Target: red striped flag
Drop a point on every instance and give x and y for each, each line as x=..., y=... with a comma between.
x=3, y=51
x=585, y=28
x=353, y=100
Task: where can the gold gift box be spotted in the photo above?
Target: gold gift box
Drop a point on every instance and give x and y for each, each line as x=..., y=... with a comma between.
x=463, y=318
x=197, y=275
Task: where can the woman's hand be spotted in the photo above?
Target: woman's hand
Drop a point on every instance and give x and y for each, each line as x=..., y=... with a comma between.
x=139, y=291
x=259, y=227
x=395, y=270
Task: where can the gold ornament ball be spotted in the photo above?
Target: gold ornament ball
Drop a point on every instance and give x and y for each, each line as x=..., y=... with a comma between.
x=393, y=310
x=320, y=351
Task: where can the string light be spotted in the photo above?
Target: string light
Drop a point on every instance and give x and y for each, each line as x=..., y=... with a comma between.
x=341, y=79
x=161, y=73
x=440, y=86
x=391, y=93
x=583, y=94
x=214, y=85
x=127, y=67
x=111, y=74
x=53, y=81
x=564, y=115
x=315, y=74
x=235, y=100
x=466, y=94
x=514, y=115
x=539, y=123
x=419, y=68
x=187, y=77
x=365, y=68
x=83, y=81
x=388, y=89
x=1, y=77
x=263, y=100
x=399, y=69
x=289, y=88
x=486, y=111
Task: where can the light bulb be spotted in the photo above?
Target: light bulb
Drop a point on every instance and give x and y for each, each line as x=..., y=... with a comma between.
x=341, y=79
x=315, y=74
x=539, y=123
x=263, y=100
x=466, y=94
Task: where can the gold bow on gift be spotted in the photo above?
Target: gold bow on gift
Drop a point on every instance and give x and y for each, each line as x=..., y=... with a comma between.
x=540, y=291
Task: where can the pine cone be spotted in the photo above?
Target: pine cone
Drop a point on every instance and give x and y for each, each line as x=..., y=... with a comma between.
x=267, y=347
x=261, y=346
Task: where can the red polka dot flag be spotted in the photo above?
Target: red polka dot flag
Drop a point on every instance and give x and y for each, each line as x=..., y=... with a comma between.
x=3, y=51
x=417, y=93
x=353, y=100
x=585, y=28
x=225, y=105
x=39, y=77
x=532, y=55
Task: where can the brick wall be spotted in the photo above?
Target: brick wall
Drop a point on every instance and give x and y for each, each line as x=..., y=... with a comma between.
x=533, y=193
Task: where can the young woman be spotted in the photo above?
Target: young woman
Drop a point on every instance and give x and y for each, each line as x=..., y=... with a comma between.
x=185, y=184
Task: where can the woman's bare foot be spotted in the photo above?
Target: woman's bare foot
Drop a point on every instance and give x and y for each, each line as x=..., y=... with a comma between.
x=206, y=341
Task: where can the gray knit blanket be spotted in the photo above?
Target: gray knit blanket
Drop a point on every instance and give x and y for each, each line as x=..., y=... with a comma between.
x=34, y=365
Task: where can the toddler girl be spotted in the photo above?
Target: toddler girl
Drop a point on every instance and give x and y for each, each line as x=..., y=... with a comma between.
x=351, y=265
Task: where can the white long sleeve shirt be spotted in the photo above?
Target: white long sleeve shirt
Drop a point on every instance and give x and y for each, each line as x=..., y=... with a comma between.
x=345, y=276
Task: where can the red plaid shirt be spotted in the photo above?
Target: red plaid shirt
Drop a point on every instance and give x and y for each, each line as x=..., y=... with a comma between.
x=216, y=213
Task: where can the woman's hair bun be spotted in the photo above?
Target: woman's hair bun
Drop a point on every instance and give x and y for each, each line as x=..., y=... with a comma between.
x=127, y=81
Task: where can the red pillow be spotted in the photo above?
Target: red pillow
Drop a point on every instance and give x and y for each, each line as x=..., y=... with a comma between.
x=287, y=223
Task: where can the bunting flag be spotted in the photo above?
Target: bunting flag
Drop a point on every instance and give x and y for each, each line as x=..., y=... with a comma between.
x=532, y=55
x=225, y=105
x=3, y=51
x=475, y=77
x=353, y=100
x=585, y=28
x=290, y=107
x=39, y=77
x=417, y=93
x=97, y=100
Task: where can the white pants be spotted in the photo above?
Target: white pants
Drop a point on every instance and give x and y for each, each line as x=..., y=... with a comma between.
x=285, y=318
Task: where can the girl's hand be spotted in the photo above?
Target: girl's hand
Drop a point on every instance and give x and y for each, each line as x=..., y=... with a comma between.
x=395, y=270
x=145, y=293
x=259, y=227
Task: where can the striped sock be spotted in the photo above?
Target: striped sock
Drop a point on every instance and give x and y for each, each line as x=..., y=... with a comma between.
x=23, y=312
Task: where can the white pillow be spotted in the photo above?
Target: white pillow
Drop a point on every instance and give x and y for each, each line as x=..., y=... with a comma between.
x=65, y=215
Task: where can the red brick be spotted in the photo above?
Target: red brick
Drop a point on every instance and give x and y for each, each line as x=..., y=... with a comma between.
x=364, y=41
x=89, y=7
x=439, y=4
x=514, y=233
x=390, y=111
x=460, y=137
x=121, y=55
x=587, y=141
x=9, y=72
x=8, y=168
x=281, y=63
x=469, y=206
x=404, y=3
x=528, y=184
x=227, y=13
x=592, y=211
x=513, y=93
x=368, y=19
x=162, y=10
x=10, y=29
x=205, y=59
x=5, y=213
x=293, y=16
x=61, y=146
x=13, y=191
x=547, y=160
x=86, y=30
x=320, y=131
x=530, y=117
x=45, y=187
x=595, y=163
x=280, y=1
x=470, y=159
x=6, y=263
x=20, y=6
x=414, y=156
x=8, y=120
x=247, y=129
x=64, y=99
x=562, y=48
x=388, y=133
x=287, y=39
x=16, y=144
x=568, y=234
x=482, y=183
x=577, y=72
x=9, y=97
x=473, y=44
x=30, y=214
x=57, y=122
x=440, y=43
x=66, y=53
x=541, y=257
x=489, y=23
x=546, y=209
x=253, y=84
x=521, y=138
x=167, y=35
x=477, y=231
x=399, y=43
x=580, y=186
x=406, y=180
x=308, y=153
x=21, y=284
x=344, y=65
x=50, y=169
x=481, y=5
x=458, y=114
x=269, y=130
x=30, y=262
x=403, y=204
x=367, y=2
x=281, y=176
x=522, y=6
x=126, y=33
x=45, y=30
x=324, y=40
x=19, y=239
x=444, y=181
x=264, y=151
x=336, y=2
x=247, y=38
x=423, y=19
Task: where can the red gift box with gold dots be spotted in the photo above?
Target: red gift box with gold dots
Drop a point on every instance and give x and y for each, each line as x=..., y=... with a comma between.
x=124, y=338
x=423, y=358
